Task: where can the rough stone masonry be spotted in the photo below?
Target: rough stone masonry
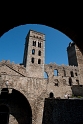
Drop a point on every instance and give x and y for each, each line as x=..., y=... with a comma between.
x=25, y=85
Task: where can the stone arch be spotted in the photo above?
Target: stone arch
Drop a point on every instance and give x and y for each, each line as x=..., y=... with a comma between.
x=19, y=106
x=4, y=114
x=51, y=95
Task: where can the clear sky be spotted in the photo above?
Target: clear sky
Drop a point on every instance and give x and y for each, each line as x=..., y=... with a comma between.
x=12, y=44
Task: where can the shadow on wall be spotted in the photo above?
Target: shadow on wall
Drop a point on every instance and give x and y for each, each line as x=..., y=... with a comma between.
x=18, y=107
x=77, y=90
x=63, y=111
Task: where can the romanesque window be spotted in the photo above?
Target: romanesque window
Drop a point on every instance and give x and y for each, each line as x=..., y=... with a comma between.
x=33, y=51
x=39, y=44
x=32, y=60
x=55, y=72
x=39, y=53
x=39, y=61
x=45, y=75
x=70, y=81
x=34, y=43
x=51, y=95
x=72, y=75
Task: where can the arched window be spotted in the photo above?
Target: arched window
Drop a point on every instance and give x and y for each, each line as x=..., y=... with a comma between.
x=45, y=75
x=33, y=51
x=70, y=81
x=32, y=60
x=39, y=61
x=51, y=95
x=39, y=53
x=34, y=43
x=39, y=44
x=55, y=72
x=72, y=75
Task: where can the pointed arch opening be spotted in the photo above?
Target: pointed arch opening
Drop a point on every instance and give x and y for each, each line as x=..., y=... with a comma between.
x=18, y=106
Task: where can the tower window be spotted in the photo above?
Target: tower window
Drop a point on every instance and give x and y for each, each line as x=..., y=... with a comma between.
x=39, y=53
x=32, y=60
x=34, y=43
x=39, y=61
x=33, y=51
x=72, y=75
x=39, y=44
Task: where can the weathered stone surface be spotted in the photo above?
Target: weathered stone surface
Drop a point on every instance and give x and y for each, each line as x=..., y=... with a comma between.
x=29, y=80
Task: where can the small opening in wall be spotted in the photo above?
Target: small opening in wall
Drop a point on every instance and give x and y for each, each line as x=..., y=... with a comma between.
x=56, y=84
x=51, y=95
x=32, y=60
x=34, y=43
x=76, y=74
x=33, y=51
x=39, y=61
x=72, y=75
x=55, y=72
x=39, y=53
x=39, y=44
x=45, y=75
x=70, y=81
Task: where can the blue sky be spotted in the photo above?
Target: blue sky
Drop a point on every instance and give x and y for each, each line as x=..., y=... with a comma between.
x=12, y=44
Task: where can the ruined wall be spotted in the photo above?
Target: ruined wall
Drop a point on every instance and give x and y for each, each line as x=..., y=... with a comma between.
x=60, y=84
x=37, y=89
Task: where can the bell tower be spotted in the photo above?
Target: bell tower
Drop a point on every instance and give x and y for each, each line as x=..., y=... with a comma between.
x=34, y=54
x=75, y=57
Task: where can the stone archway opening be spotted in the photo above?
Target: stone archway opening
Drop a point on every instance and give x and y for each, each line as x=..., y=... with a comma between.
x=18, y=111
x=4, y=114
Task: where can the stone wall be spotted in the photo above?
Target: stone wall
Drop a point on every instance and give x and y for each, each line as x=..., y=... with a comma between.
x=63, y=111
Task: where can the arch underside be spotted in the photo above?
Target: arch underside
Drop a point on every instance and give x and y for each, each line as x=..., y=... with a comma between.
x=19, y=108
